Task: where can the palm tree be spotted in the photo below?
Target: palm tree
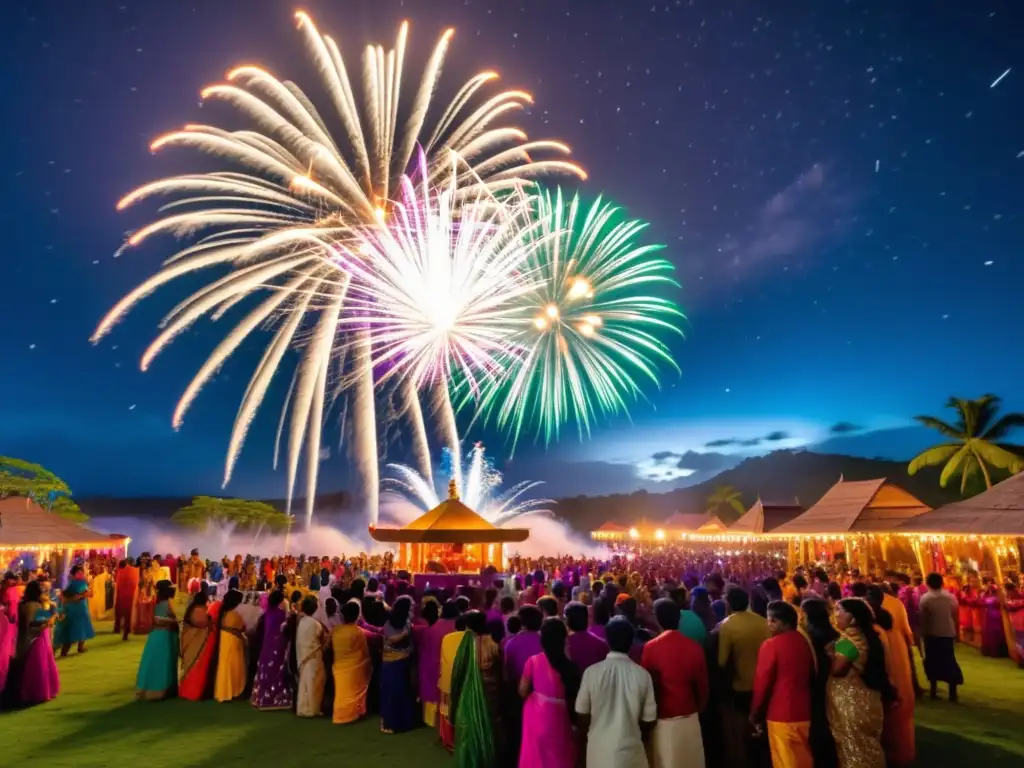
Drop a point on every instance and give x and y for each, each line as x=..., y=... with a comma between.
x=974, y=442
x=724, y=501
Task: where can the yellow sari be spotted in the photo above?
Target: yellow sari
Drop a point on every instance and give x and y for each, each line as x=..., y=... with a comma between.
x=352, y=670
x=231, y=665
x=449, y=650
x=98, y=601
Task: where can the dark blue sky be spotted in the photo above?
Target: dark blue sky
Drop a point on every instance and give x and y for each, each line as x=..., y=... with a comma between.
x=837, y=182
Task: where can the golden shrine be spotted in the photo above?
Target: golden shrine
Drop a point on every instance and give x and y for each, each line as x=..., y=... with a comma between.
x=450, y=535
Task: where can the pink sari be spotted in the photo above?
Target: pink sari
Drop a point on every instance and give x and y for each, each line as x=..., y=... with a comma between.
x=40, y=681
x=7, y=636
x=547, y=731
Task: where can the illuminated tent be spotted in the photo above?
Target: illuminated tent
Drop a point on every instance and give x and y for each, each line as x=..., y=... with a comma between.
x=27, y=527
x=451, y=534
x=847, y=518
x=765, y=517
x=999, y=511
x=714, y=525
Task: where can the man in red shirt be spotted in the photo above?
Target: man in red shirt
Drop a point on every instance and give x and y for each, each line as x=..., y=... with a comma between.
x=678, y=667
x=782, y=689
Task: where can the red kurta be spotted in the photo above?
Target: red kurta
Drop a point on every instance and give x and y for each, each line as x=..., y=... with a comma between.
x=785, y=668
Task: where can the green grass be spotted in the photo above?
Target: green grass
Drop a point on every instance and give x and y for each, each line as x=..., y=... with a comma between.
x=96, y=722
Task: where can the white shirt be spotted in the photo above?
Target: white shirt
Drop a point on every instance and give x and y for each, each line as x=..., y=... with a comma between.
x=617, y=694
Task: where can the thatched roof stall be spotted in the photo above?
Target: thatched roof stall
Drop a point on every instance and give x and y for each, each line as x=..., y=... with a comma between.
x=848, y=518
x=765, y=517
x=27, y=527
x=999, y=511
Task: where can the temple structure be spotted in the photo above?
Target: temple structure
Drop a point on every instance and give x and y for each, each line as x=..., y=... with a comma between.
x=449, y=538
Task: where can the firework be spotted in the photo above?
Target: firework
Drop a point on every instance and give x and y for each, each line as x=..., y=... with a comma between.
x=479, y=489
x=296, y=193
x=588, y=332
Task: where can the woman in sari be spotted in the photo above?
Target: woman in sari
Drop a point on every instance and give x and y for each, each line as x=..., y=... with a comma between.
x=397, y=702
x=231, y=675
x=158, y=671
x=75, y=625
x=898, y=737
x=198, y=647
x=145, y=598
x=352, y=667
x=818, y=627
x=310, y=637
x=428, y=652
x=549, y=685
x=856, y=688
x=40, y=681
x=8, y=637
x=98, y=601
x=474, y=709
x=450, y=645
x=272, y=687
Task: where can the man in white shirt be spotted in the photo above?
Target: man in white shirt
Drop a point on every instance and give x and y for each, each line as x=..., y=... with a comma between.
x=616, y=704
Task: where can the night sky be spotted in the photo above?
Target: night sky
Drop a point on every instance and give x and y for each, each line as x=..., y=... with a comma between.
x=838, y=183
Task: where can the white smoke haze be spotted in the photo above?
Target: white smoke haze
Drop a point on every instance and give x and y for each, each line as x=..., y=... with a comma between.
x=548, y=536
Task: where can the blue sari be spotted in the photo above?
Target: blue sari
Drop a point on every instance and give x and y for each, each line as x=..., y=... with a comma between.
x=158, y=670
x=75, y=626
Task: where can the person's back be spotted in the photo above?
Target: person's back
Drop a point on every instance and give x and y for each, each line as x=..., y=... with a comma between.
x=938, y=609
x=678, y=670
x=740, y=639
x=616, y=704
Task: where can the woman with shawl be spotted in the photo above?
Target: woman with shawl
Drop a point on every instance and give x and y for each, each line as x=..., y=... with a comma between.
x=309, y=642
x=428, y=651
x=272, y=688
x=857, y=686
x=474, y=700
x=352, y=667
x=231, y=640
x=397, y=702
x=40, y=681
x=158, y=671
x=198, y=647
x=75, y=625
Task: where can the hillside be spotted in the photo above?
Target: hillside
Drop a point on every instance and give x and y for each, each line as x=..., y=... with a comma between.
x=779, y=476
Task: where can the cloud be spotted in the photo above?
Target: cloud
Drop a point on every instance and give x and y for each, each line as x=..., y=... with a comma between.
x=774, y=437
x=664, y=455
x=751, y=442
x=705, y=462
x=844, y=427
x=722, y=443
x=813, y=209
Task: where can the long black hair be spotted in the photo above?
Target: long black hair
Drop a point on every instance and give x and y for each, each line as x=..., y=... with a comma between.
x=882, y=617
x=875, y=677
x=200, y=598
x=232, y=600
x=553, y=635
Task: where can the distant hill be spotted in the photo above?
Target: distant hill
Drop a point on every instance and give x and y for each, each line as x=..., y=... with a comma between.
x=778, y=476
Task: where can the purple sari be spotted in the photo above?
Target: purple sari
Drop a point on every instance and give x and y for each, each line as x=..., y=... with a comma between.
x=272, y=688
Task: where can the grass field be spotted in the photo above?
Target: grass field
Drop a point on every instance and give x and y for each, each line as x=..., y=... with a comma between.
x=96, y=722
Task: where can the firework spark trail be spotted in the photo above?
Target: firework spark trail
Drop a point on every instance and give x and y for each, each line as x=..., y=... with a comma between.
x=589, y=329
x=478, y=490
x=295, y=193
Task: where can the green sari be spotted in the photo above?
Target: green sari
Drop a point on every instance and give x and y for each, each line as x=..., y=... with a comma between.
x=474, y=734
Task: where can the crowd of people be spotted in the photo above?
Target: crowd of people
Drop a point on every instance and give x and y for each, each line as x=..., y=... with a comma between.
x=673, y=658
